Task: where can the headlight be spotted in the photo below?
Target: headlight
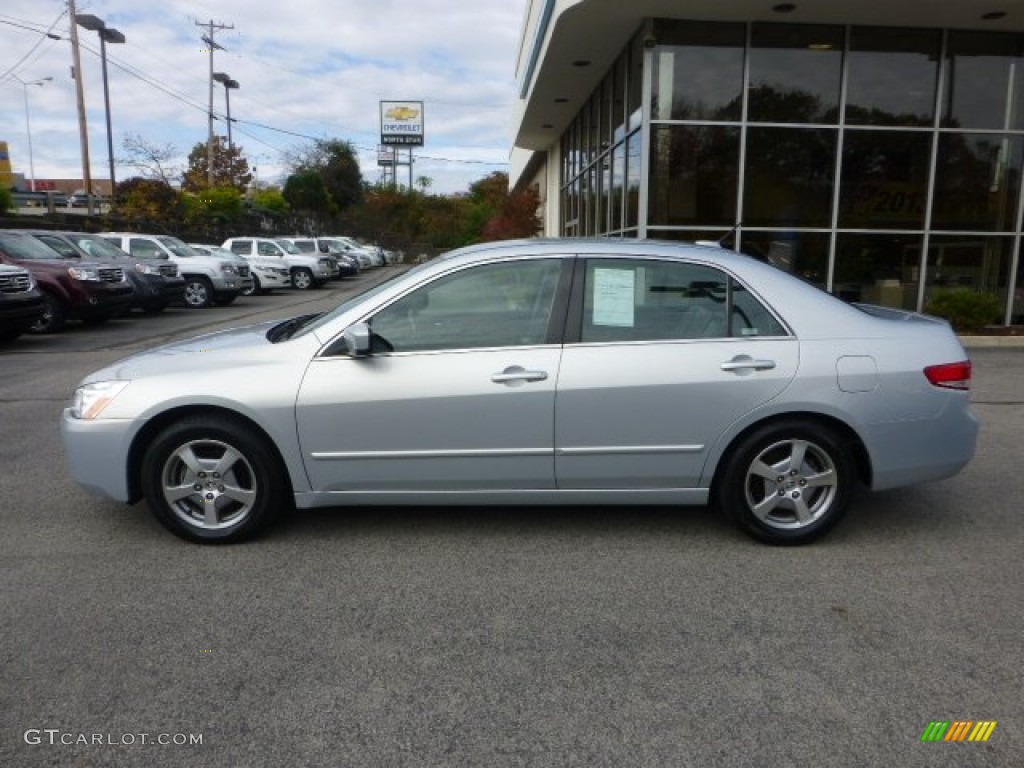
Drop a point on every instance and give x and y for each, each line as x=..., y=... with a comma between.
x=228, y=269
x=83, y=273
x=91, y=399
x=146, y=269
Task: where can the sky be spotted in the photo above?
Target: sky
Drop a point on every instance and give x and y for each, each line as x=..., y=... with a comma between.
x=307, y=70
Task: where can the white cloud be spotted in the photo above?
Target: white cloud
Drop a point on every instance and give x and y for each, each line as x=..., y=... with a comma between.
x=312, y=67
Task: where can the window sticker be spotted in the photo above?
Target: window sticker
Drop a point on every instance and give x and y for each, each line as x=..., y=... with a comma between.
x=613, y=297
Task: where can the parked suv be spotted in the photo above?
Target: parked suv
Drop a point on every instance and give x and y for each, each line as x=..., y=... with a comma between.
x=21, y=304
x=307, y=270
x=208, y=279
x=156, y=282
x=267, y=273
x=91, y=291
x=347, y=266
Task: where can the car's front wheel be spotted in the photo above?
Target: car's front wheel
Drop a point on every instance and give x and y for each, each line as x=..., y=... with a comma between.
x=214, y=480
x=788, y=482
x=54, y=317
x=198, y=292
x=252, y=290
x=302, y=279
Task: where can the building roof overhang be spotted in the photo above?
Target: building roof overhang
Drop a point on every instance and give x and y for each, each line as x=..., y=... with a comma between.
x=555, y=83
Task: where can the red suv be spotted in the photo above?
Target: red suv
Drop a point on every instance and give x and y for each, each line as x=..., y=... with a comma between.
x=91, y=291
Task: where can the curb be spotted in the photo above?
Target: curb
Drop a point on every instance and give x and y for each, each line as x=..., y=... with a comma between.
x=983, y=342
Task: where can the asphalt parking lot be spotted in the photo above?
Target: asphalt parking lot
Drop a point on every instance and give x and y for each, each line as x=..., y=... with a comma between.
x=498, y=637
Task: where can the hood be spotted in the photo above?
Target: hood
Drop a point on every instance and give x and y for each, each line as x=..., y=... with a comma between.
x=228, y=348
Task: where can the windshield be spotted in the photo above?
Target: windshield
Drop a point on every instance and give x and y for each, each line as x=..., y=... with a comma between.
x=97, y=246
x=25, y=247
x=175, y=246
x=288, y=247
x=355, y=301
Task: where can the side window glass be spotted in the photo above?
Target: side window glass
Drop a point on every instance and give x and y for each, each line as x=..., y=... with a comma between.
x=653, y=300
x=749, y=316
x=266, y=249
x=60, y=247
x=240, y=247
x=500, y=305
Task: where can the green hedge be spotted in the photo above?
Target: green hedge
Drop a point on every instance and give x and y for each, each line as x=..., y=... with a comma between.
x=966, y=310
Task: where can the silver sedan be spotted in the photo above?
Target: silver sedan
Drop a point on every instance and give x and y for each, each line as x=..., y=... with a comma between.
x=540, y=371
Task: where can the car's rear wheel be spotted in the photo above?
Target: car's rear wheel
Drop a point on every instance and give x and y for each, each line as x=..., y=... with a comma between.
x=213, y=480
x=54, y=317
x=198, y=292
x=788, y=482
x=302, y=279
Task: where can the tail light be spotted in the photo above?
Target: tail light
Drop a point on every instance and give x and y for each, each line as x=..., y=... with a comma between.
x=950, y=375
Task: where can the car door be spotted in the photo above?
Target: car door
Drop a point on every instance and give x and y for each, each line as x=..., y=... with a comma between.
x=662, y=356
x=458, y=394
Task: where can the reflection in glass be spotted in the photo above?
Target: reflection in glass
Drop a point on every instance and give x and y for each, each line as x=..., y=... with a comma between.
x=617, y=186
x=977, y=181
x=635, y=84
x=884, y=179
x=794, y=73
x=979, y=263
x=892, y=76
x=878, y=269
x=694, y=172
x=789, y=178
x=804, y=254
x=634, y=147
x=698, y=71
x=984, y=84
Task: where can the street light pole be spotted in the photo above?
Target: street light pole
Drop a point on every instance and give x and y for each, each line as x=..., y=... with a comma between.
x=28, y=127
x=229, y=84
x=107, y=35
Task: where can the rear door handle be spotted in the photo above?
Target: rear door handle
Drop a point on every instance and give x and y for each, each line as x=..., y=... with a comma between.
x=746, y=363
x=517, y=374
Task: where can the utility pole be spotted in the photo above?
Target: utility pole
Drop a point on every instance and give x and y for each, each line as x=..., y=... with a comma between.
x=208, y=39
x=83, y=130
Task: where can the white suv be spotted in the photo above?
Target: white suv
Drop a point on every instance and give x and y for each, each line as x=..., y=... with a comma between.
x=208, y=279
x=267, y=274
x=307, y=270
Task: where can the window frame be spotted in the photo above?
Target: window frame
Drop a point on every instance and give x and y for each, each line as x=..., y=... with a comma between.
x=577, y=303
x=554, y=333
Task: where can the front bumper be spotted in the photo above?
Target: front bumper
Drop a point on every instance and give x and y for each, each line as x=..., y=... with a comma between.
x=96, y=453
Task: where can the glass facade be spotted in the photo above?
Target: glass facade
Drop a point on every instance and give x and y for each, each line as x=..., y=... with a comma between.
x=882, y=164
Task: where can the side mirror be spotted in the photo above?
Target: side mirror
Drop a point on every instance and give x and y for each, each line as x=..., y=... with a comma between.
x=357, y=340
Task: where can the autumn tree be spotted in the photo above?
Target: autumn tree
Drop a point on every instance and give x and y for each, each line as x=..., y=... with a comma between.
x=230, y=168
x=148, y=199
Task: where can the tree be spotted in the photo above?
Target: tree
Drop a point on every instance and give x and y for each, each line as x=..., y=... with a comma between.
x=151, y=161
x=230, y=168
x=149, y=199
x=305, y=192
x=220, y=203
x=270, y=199
x=6, y=199
x=336, y=163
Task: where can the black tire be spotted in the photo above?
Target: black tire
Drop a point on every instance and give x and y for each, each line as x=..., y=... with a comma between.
x=225, y=300
x=244, y=496
x=303, y=279
x=54, y=318
x=198, y=292
x=255, y=289
x=787, y=483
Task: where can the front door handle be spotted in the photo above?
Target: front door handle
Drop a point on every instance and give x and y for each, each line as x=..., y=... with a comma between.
x=747, y=363
x=516, y=374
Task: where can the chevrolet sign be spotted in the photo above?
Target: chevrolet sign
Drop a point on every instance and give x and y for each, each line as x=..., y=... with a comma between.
x=401, y=123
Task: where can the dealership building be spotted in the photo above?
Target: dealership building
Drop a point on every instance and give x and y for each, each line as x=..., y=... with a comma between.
x=873, y=148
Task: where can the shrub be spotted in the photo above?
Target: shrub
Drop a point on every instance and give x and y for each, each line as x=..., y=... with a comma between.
x=6, y=200
x=966, y=310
